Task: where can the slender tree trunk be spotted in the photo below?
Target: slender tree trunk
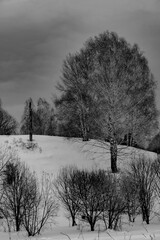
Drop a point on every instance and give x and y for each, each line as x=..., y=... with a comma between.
x=17, y=224
x=84, y=129
x=113, y=151
x=30, y=122
x=85, y=135
x=147, y=219
x=73, y=221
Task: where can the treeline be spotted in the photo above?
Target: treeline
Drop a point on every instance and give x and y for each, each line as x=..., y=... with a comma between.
x=97, y=195
x=8, y=124
x=43, y=118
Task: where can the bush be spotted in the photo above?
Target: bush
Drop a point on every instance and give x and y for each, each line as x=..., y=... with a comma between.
x=40, y=206
x=131, y=197
x=14, y=179
x=65, y=186
x=114, y=202
x=142, y=173
x=25, y=202
x=90, y=196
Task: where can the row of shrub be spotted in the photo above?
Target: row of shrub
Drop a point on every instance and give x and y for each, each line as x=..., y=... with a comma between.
x=99, y=195
x=86, y=195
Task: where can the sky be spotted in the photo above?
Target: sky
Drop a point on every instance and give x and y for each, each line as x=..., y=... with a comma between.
x=37, y=35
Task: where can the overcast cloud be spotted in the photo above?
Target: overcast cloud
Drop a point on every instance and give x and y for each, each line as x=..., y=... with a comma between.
x=36, y=36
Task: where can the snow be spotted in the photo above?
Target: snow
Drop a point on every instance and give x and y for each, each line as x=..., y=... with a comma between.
x=55, y=152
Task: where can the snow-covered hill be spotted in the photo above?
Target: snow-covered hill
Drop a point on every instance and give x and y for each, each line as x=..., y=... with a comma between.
x=53, y=153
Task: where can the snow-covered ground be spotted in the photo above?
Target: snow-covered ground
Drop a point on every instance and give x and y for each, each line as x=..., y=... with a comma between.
x=55, y=152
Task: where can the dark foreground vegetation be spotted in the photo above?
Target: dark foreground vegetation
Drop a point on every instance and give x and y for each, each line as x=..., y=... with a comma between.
x=25, y=202
x=98, y=195
x=89, y=196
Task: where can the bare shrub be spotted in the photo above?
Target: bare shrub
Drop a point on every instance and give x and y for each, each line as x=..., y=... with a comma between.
x=6, y=155
x=81, y=193
x=143, y=175
x=131, y=197
x=114, y=202
x=14, y=188
x=41, y=206
x=90, y=192
x=65, y=186
x=25, y=202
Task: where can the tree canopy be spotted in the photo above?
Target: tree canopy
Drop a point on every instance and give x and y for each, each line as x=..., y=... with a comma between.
x=43, y=118
x=108, y=86
x=8, y=124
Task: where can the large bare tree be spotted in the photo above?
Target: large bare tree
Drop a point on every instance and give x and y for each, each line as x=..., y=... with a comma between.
x=116, y=79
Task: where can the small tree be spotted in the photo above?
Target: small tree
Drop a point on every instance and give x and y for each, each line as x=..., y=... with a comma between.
x=41, y=206
x=90, y=192
x=8, y=125
x=157, y=178
x=30, y=121
x=6, y=155
x=65, y=186
x=14, y=187
x=143, y=174
x=131, y=196
x=114, y=202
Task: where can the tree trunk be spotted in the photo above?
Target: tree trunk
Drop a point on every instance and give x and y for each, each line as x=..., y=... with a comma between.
x=17, y=224
x=113, y=151
x=73, y=221
x=92, y=226
x=110, y=223
x=147, y=219
x=85, y=133
x=30, y=122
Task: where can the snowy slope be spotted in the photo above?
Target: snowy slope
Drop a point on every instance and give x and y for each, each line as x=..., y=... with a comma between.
x=53, y=153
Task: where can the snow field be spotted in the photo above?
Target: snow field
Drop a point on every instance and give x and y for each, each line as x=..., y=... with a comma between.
x=55, y=152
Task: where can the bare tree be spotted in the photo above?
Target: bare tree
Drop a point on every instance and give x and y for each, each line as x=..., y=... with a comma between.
x=157, y=177
x=142, y=174
x=116, y=79
x=8, y=125
x=90, y=192
x=131, y=196
x=30, y=121
x=65, y=186
x=114, y=205
x=76, y=103
x=41, y=206
x=14, y=188
x=6, y=155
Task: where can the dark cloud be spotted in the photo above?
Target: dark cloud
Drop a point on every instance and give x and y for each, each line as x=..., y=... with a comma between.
x=32, y=54
x=36, y=35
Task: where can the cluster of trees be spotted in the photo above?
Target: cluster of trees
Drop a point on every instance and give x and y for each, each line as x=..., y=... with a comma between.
x=154, y=144
x=107, y=92
x=25, y=202
x=103, y=196
x=8, y=124
x=43, y=118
